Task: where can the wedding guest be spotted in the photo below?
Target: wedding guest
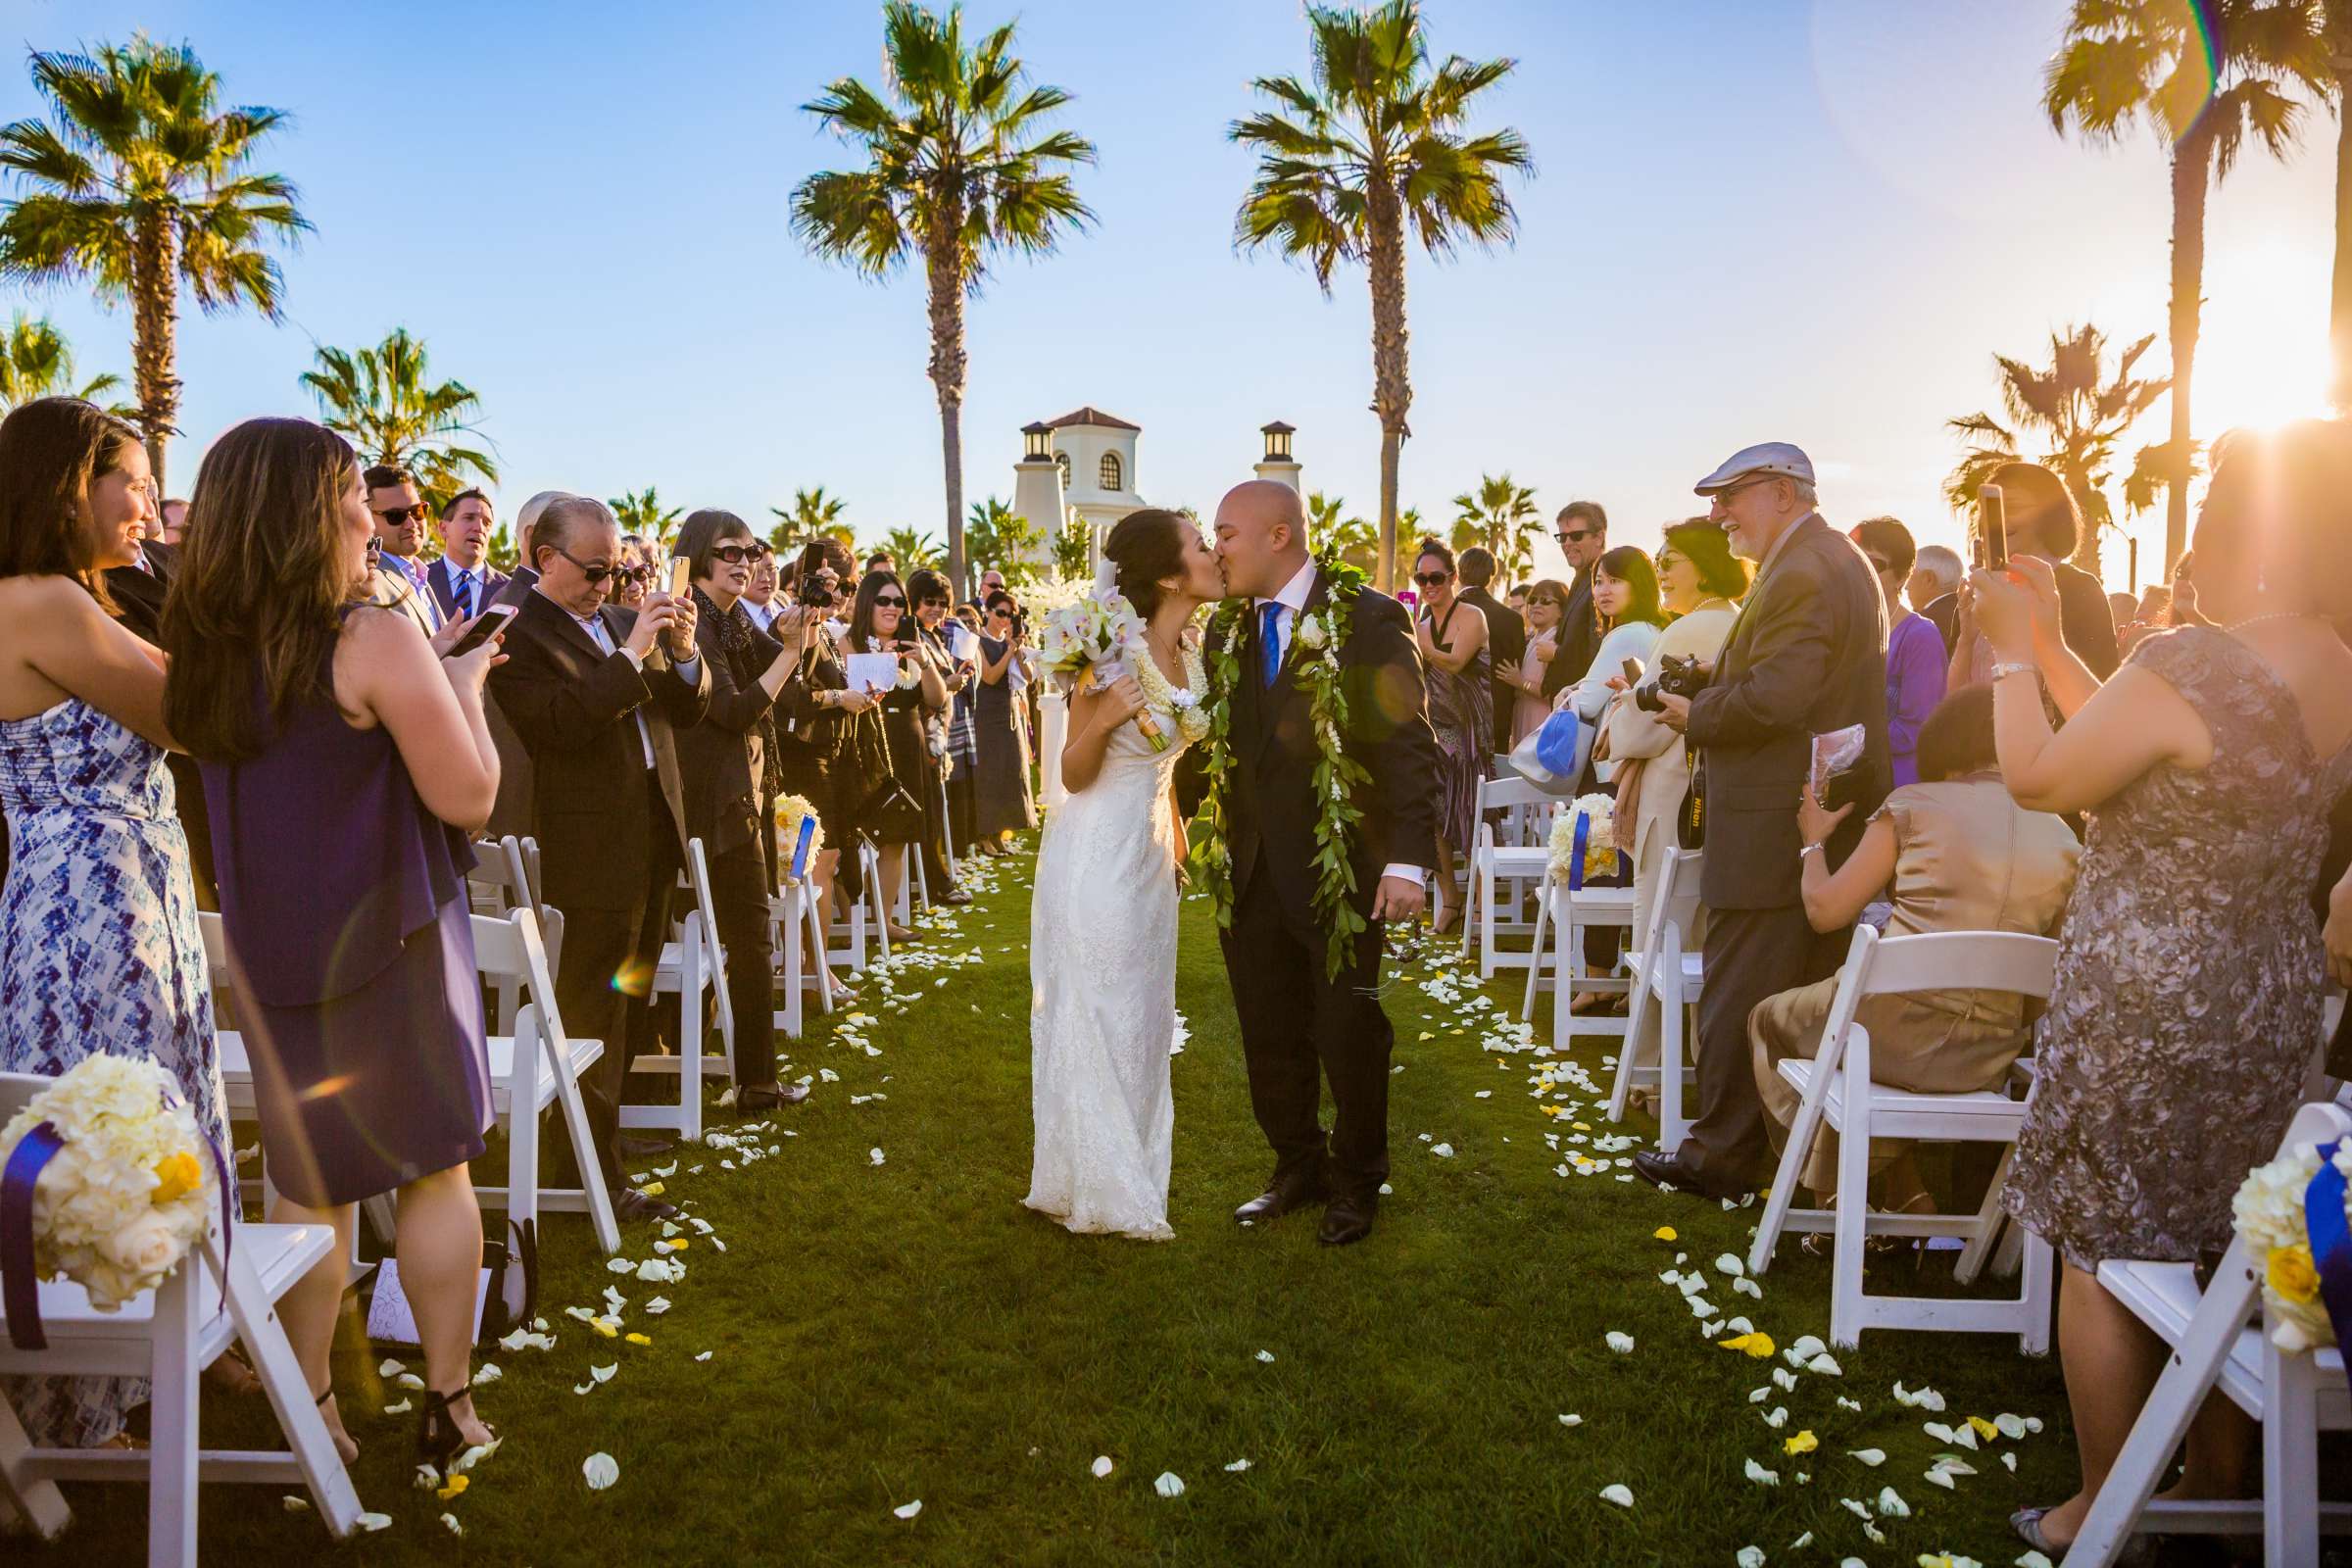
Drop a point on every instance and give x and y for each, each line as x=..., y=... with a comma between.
x=1808, y=656
x=632, y=581
x=1517, y=599
x=1698, y=579
x=398, y=582
x=2151, y=612
x=1933, y=589
x=2188, y=987
x=760, y=600
x=518, y=782
x=1915, y=651
x=462, y=580
x=371, y=1065
x=963, y=731
x=931, y=600
x=1506, y=636
x=1544, y=603
x=1954, y=852
x=992, y=581
x=1625, y=599
x=731, y=774
x=526, y=520
x=1003, y=803
x=172, y=523
x=818, y=738
x=1583, y=531
x=880, y=624
x=880, y=560
x=138, y=591
x=2043, y=523
x=89, y=807
x=1452, y=637
x=2183, y=611
x=597, y=693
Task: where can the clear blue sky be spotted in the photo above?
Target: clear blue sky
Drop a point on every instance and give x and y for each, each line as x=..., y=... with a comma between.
x=1772, y=220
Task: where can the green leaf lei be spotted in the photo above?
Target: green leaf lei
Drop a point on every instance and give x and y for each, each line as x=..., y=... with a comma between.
x=1314, y=658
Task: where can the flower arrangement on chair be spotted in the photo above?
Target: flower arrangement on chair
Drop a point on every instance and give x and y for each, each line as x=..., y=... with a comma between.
x=2295, y=1216
x=1583, y=841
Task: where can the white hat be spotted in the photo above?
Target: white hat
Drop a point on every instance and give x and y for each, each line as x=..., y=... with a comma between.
x=1771, y=459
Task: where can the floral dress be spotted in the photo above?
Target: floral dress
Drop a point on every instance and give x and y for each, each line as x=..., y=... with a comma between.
x=2186, y=1009
x=99, y=951
x=1461, y=710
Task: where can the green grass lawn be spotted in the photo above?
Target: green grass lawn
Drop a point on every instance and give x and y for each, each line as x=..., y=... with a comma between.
x=879, y=1334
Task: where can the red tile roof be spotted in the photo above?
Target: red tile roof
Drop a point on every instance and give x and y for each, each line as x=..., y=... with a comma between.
x=1090, y=414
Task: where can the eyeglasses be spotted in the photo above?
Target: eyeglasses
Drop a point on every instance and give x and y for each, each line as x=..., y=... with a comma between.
x=1431, y=579
x=1000, y=615
x=1576, y=536
x=1723, y=497
x=1668, y=560
x=935, y=604
x=737, y=555
x=1879, y=563
x=599, y=571
x=889, y=602
x=394, y=516
x=629, y=573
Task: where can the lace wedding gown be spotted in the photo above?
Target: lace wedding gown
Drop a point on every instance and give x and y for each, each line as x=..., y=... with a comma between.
x=1103, y=1013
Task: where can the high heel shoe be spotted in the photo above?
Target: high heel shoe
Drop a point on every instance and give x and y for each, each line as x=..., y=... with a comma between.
x=439, y=1437
x=346, y=1448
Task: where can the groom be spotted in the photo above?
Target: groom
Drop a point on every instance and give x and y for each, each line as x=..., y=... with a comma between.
x=1295, y=1018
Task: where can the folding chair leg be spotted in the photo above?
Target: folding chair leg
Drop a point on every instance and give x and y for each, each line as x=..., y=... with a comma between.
x=2035, y=1291
x=289, y=1392
x=2290, y=1458
x=1794, y=1153
x=1987, y=1230
x=37, y=1501
x=583, y=1150
x=1846, y=1311
x=1672, y=1017
x=1535, y=956
x=694, y=975
x=174, y=1446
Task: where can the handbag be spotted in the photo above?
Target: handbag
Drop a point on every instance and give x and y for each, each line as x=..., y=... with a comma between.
x=1554, y=757
x=890, y=813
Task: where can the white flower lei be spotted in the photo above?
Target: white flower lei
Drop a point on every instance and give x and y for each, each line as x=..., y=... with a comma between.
x=1181, y=702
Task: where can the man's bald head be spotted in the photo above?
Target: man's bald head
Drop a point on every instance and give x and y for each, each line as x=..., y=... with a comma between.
x=1261, y=537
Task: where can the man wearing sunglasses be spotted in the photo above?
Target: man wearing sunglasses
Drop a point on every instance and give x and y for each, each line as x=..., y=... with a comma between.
x=398, y=509
x=1582, y=530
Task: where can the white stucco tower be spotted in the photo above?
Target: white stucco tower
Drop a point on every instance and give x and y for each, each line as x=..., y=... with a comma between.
x=1096, y=452
x=1037, y=488
x=1278, y=465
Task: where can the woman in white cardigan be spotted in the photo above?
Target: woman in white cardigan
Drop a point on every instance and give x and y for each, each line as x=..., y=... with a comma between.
x=1698, y=579
x=1626, y=599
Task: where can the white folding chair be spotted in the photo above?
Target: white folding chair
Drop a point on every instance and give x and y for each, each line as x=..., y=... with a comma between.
x=1503, y=867
x=1666, y=980
x=226, y=1292
x=496, y=884
x=1837, y=1089
x=866, y=921
x=2295, y=1397
x=692, y=963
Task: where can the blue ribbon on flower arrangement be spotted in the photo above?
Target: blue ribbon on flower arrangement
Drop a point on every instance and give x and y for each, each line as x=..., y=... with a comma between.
x=2332, y=1247
x=1576, y=867
x=19, y=1287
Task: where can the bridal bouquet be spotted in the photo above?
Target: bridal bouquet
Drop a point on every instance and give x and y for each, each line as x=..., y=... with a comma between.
x=1094, y=641
x=2274, y=1220
x=1583, y=841
x=121, y=1184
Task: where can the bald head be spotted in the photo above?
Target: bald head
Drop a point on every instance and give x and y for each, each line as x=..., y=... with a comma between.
x=1261, y=537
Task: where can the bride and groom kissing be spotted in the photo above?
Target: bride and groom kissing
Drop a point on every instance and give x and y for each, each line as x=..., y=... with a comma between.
x=1304, y=673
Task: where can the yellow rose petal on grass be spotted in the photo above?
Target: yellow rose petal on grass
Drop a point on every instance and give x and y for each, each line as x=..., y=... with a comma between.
x=652, y=1189
x=2291, y=1275
x=637, y=1339
x=1804, y=1442
x=1985, y=1428
x=1755, y=1343
x=1664, y=1233
x=455, y=1488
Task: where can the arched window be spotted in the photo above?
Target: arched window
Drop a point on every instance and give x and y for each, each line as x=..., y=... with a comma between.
x=1061, y=460
x=1110, y=474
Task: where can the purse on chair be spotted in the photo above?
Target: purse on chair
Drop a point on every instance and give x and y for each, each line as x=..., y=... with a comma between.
x=889, y=813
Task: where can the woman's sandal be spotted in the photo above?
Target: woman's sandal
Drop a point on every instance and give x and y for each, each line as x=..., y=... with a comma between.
x=341, y=1439
x=439, y=1437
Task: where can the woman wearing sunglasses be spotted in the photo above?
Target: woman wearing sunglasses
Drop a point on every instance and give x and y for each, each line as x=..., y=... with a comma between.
x=817, y=736
x=1003, y=803
x=1461, y=710
x=947, y=736
x=880, y=624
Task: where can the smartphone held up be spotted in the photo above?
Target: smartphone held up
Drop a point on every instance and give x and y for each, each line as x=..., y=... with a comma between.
x=1992, y=529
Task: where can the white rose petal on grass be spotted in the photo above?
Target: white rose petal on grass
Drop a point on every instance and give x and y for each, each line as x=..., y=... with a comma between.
x=2034, y=1559
x=373, y=1522
x=907, y=1510
x=451, y=1520
x=600, y=1470
x=1824, y=1365
x=1620, y=1495
x=1236, y=1467
x=390, y=1368
x=487, y=1372
x=1892, y=1506
x=1170, y=1484
x=1749, y=1558
x=1572, y=1420
x=1621, y=1344
x=1761, y=1475
x=1102, y=1465
x=876, y=1157
x=1873, y=1457
x=1443, y=1150
x=1265, y=1355
x=2010, y=1426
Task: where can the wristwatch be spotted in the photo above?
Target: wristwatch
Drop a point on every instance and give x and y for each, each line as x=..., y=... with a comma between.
x=1805, y=850
x=2003, y=671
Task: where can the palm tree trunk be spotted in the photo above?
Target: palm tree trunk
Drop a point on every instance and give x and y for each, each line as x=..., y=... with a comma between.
x=2339, y=296
x=1392, y=390
x=949, y=363
x=2193, y=156
x=155, y=326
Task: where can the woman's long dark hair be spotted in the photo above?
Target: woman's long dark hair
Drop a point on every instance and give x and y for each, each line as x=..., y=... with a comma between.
x=263, y=582
x=1634, y=569
x=52, y=450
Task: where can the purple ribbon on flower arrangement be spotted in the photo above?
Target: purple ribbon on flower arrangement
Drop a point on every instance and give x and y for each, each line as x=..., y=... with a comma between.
x=2332, y=1247
x=1576, y=867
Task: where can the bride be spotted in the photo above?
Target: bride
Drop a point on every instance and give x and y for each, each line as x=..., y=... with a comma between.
x=1102, y=931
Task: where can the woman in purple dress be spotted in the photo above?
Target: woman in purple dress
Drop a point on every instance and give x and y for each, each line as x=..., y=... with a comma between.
x=1915, y=658
x=342, y=755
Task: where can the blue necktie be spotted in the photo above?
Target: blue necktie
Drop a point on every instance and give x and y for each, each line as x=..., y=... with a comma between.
x=465, y=593
x=1269, y=639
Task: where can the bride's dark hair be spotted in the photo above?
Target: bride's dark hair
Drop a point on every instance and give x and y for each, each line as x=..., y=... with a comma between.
x=1144, y=546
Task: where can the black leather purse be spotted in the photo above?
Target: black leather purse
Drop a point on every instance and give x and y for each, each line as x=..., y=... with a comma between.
x=890, y=813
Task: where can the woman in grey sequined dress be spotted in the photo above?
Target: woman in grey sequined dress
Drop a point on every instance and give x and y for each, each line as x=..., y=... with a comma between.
x=2186, y=1007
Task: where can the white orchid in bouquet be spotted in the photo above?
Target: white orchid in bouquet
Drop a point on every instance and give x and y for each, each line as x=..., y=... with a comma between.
x=2270, y=1221
x=131, y=1188
x=1598, y=815
x=1094, y=641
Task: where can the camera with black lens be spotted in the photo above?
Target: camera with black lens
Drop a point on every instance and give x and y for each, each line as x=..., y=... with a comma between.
x=1678, y=675
x=814, y=593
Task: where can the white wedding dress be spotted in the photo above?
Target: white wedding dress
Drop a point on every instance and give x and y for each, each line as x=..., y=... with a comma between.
x=1103, y=1009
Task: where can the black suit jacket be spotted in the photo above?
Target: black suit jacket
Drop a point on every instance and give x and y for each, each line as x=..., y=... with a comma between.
x=438, y=580
x=1270, y=800
x=1807, y=655
x=1580, y=638
x=1507, y=642
x=720, y=760
x=139, y=596
x=574, y=707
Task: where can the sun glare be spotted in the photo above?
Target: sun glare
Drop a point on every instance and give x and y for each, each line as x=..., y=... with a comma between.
x=2262, y=356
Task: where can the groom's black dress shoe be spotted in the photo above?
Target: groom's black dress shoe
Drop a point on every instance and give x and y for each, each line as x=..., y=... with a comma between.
x=1280, y=1198
x=1347, y=1219
x=1668, y=1171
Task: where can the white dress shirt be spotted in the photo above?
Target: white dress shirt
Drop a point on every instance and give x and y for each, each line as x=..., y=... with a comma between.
x=1293, y=599
x=687, y=670
x=764, y=615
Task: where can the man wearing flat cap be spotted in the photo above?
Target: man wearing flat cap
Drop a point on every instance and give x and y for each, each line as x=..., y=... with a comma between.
x=1807, y=656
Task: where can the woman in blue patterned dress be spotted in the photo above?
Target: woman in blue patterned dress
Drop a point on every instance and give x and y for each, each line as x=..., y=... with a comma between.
x=99, y=947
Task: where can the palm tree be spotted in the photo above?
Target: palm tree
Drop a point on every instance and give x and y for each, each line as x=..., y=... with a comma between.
x=2079, y=409
x=998, y=536
x=1500, y=516
x=2204, y=74
x=813, y=513
x=1330, y=530
x=642, y=513
x=383, y=400
x=2335, y=22
x=140, y=186
x=1376, y=147
x=1074, y=547
x=35, y=362
x=911, y=549
x=958, y=169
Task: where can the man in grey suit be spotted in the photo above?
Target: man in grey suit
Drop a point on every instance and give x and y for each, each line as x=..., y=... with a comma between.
x=398, y=509
x=1807, y=656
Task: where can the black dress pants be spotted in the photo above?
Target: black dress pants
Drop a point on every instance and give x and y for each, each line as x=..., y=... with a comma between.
x=1750, y=955
x=1300, y=1028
